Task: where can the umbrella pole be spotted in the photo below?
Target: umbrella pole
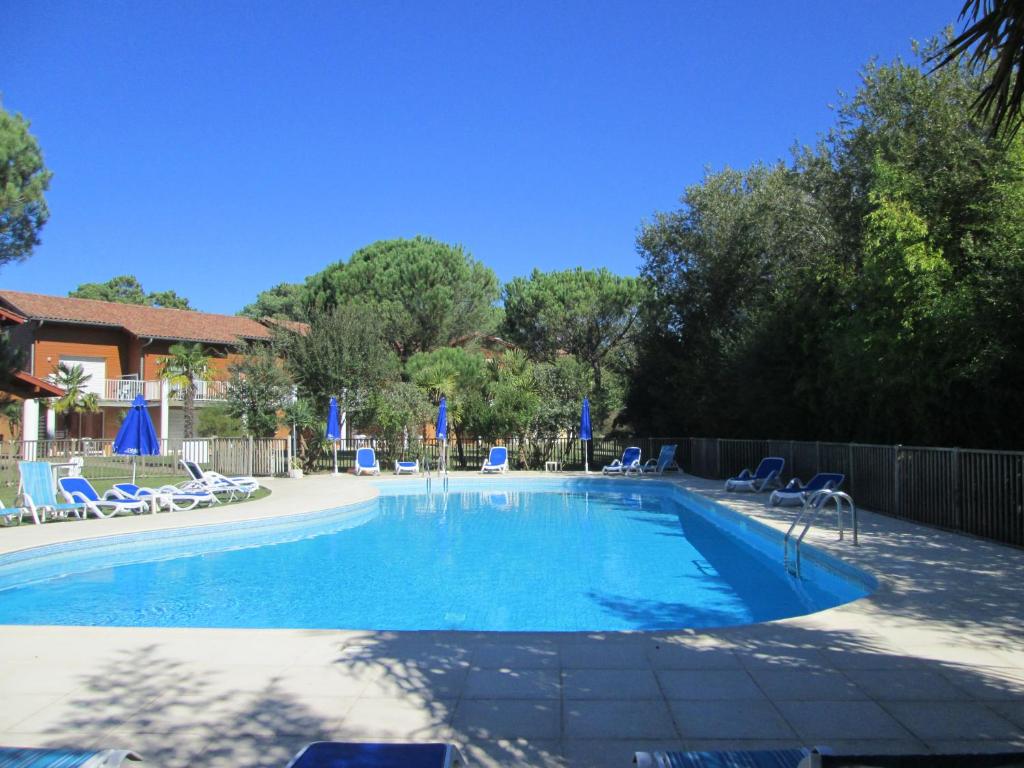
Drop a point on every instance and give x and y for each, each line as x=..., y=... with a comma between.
x=335, y=457
x=586, y=459
x=133, y=470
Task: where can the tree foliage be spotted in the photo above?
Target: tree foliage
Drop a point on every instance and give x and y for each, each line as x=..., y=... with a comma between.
x=864, y=291
x=77, y=399
x=424, y=294
x=258, y=387
x=185, y=367
x=126, y=289
x=285, y=301
x=23, y=181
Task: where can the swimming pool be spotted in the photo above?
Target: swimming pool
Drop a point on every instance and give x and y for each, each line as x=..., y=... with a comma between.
x=494, y=555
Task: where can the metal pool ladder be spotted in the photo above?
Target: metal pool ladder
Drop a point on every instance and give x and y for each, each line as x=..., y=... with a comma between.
x=441, y=473
x=812, y=507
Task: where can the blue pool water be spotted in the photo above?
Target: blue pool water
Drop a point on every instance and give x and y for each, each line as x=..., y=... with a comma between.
x=559, y=558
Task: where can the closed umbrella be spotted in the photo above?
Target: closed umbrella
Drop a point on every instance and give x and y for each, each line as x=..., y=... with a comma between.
x=333, y=429
x=442, y=430
x=585, y=433
x=137, y=436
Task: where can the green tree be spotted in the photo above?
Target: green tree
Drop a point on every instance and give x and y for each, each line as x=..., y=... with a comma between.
x=399, y=410
x=216, y=420
x=342, y=355
x=425, y=294
x=590, y=314
x=310, y=427
x=126, y=289
x=76, y=398
x=285, y=301
x=257, y=389
x=185, y=367
x=23, y=181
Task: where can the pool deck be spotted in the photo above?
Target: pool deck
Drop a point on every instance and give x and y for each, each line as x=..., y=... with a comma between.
x=931, y=661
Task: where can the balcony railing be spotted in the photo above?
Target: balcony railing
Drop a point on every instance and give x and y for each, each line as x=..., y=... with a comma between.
x=205, y=391
x=125, y=390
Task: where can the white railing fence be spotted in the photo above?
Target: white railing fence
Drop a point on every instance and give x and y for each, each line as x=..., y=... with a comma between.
x=126, y=390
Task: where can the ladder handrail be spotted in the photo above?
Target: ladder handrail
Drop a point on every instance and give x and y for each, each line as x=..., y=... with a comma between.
x=814, y=504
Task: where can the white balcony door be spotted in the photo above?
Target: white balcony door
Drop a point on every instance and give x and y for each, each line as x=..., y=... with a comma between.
x=94, y=367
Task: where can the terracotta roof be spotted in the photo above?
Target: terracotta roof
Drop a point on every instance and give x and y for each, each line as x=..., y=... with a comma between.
x=25, y=385
x=144, y=322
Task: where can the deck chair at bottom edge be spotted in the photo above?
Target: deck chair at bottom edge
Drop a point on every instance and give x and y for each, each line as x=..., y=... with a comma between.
x=26, y=757
x=821, y=757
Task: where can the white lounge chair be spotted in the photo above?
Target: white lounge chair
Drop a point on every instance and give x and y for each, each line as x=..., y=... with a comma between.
x=767, y=475
x=79, y=490
x=38, y=496
x=7, y=514
x=629, y=463
x=170, y=497
x=666, y=460
x=407, y=467
x=496, y=461
x=216, y=483
x=366, y=462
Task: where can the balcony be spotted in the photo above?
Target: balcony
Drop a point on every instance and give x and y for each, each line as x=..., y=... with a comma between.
x=125, y=390
x=206, y=391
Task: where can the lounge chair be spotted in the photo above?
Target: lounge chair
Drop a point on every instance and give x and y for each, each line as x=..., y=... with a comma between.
x=666, y=460
x=366, y=462
x=24, y=757
x=341, y=754
x=796, y=493
x=407, y=467
x=79, y=490
x=767, y=475
x=171, y=497
x=38, y=495
x=496, y=461
x=630, y=462
x=7, y=514
x=216, y=483
x=766, y=758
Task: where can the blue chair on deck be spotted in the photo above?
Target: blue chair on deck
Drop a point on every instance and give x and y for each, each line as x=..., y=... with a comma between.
x=170, y=496
x=24, y=757
x=341, y=754
x=666, y=460
x=366, y=462
x=795, y=493
x=630, y=462
x=407, y=467
x=78, y=490
x=767, y=475
x=36, y=489
x=496, y=461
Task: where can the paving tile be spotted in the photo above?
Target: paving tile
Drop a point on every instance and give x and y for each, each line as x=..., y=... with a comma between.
x=512, y=684
x=746, y=745
x=513, y=753
x=987, y=683
x=179, y=749
x=969, y=747
x=612, y=753
x=507, y=719
x=905, y=746
x=619, y=684
x=782, y=657
x=332, y=680
x=686, y=657
x=817, y=721
x=905, y=685
x=642, y=719
x=1011, y=710
x=603, y=655
x=397, y=719
x=522, y=655
x=228, y=752
x=708, y=685
x=869, y=659
x=951, y=720
x=808, y=684
x=729, y=720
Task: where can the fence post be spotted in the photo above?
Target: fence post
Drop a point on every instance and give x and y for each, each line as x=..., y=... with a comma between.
x=718, y=458
x=251, y=457
x=957, y=506
x=896, y=479
x=817, y=456
x=849, y=448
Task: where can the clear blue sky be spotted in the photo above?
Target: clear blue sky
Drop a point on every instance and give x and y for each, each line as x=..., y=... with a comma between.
x=218, y=148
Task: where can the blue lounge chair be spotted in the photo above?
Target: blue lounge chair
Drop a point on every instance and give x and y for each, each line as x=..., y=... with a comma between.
x=36, y=490
x=496, y=461
x=767, y=475
x=767, y=758
x=216, y=483
x=795, y=493
x=366, y=462
x=340, y=754
x=630, y=462
x=173, y=498
x=23, y=757
x=407, y=467
x=78, y=490
x=666, y=460
x=7, y=514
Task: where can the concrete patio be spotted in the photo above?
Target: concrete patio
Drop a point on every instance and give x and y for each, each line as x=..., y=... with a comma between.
x=932, y=661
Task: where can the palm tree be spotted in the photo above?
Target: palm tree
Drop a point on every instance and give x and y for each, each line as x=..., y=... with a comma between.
x=185, y=367
x=76, y=398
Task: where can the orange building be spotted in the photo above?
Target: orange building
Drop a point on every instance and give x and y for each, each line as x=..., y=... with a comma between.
x=120, y=347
